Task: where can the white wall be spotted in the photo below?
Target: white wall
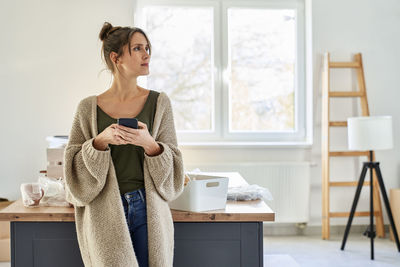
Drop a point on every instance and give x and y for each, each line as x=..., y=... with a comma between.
x=50, y=59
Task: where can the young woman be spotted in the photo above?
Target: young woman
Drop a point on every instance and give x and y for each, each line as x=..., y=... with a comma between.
x=118, y=178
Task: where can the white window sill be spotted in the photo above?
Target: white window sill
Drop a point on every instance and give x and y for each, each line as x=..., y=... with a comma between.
x=303, y=144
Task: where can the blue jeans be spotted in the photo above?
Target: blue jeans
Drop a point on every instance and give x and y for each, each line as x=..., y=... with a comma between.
x=136, y=216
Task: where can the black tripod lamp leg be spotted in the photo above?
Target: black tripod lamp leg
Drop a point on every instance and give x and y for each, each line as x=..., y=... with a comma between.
x=355, y=201
x=371, y=212
x=387, y=205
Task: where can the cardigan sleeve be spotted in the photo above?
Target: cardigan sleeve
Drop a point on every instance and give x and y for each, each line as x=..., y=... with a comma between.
x=166, y=169
x=85, y=168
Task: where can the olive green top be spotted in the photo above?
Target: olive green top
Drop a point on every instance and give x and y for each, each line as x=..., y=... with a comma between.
x=128, y=159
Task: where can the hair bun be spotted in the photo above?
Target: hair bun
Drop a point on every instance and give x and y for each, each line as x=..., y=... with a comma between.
x=105, y=31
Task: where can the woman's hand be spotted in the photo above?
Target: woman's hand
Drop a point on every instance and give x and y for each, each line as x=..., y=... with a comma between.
x=139, y=137
x=109, y=135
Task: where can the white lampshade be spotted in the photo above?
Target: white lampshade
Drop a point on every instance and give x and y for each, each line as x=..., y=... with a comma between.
x=370, y=133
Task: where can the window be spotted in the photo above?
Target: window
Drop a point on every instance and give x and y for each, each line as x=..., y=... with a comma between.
x=182, y=62
x=234, y=70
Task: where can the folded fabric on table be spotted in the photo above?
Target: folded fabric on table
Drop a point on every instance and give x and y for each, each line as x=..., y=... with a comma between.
x=248, y=192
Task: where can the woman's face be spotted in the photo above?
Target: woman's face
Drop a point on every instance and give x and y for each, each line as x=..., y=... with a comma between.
x=137, y=62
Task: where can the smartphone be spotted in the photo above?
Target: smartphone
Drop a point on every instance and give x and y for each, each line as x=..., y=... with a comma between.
x=128, y=122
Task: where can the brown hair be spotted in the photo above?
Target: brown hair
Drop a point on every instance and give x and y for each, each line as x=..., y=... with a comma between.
x=115, y=38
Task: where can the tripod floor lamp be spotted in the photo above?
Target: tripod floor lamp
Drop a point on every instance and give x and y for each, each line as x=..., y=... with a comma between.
x=370, y=133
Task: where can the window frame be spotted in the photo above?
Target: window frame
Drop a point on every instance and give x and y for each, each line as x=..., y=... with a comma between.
x=219, y=134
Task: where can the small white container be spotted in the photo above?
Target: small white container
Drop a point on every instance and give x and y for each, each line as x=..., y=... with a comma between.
x=202, y=193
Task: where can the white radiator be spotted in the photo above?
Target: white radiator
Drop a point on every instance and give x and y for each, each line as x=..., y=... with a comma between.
x=288, y=182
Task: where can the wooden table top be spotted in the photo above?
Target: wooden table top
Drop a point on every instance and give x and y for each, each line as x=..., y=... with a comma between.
x=235, y=211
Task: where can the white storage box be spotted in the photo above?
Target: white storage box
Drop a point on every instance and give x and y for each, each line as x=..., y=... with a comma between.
x=202, y=193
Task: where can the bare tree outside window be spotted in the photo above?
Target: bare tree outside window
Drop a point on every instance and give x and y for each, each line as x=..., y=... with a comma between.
x=257, y=50
x=182, y=40
x=262, y=45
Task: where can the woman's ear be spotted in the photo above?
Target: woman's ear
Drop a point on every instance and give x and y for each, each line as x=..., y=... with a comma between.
x=113, y=57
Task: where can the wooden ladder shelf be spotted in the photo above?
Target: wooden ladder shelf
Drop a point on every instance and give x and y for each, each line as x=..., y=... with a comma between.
x=326, y=124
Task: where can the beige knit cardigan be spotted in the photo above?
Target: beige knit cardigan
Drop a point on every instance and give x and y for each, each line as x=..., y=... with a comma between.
x=91, y=186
